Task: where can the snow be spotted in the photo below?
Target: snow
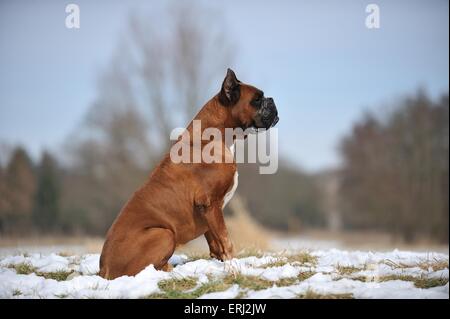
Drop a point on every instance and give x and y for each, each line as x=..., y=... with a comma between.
x=272, y=273
x=327, y=277
x=85, y=264
x=230, y=293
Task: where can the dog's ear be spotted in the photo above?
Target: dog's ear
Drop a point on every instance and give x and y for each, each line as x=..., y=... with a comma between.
x=230, y=92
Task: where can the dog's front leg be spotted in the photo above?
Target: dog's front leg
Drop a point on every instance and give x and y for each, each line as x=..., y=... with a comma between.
x=214, y=249
x=217, y=236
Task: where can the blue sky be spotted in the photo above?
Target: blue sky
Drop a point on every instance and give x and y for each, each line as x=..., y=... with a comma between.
x=317, y=59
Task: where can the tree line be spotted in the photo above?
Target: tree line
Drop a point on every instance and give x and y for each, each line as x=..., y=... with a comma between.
x=396, y=170
x=29, y=194
x=47, y=197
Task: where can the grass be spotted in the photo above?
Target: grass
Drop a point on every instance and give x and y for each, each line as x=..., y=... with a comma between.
x=250, y=252
x=192, y=256
x=257, y=283
x=279, y=263
x=178, y=284
x=359, y=278
x=249, y=282
x=26, y=269
x=64, y=254
x=435, y=264
x=303, y=258
x=310, y=294
x=23, y=268
x=422, y=281
x=17, y=292
x=305, y=275
x=56, y=275
x=183, y=288
x=419, y=282
x=347, y=270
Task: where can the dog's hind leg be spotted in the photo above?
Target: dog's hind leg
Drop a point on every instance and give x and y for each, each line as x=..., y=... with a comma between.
x=155, y=247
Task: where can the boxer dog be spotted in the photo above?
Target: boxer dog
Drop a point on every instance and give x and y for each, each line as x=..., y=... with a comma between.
x=182, y=201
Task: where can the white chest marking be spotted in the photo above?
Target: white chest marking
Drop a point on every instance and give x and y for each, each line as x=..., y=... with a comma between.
x=231, y=148
x=230, y=193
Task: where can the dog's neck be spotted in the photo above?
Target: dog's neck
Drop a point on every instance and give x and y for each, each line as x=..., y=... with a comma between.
x=214, y=115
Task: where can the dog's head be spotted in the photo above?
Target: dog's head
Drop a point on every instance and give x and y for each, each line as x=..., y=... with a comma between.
x=247, y=105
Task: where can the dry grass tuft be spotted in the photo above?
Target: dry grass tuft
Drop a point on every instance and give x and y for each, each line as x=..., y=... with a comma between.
x=196, y=255
x=347, y=270
x=176, y=289
x=434, y=264
x=310, y=294
x=303, y=258
x=178, y=284
x=27, y=269
x=420, y=282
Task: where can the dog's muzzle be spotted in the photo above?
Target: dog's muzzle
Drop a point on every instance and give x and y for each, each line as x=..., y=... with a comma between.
x=267, y=115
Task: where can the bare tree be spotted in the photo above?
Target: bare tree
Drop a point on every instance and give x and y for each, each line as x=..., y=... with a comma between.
x=157, y=79
x=177, y=69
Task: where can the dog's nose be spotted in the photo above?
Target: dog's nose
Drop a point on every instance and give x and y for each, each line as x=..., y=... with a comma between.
x=271, y=103
x=272, y=106
x=275, y=121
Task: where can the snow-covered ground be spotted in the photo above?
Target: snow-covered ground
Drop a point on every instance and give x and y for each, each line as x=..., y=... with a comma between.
x=330, y=273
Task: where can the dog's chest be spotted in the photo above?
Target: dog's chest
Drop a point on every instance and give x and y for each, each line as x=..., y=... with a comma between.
x=230, y=193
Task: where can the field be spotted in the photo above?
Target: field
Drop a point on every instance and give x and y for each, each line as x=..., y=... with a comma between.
x=61, y=272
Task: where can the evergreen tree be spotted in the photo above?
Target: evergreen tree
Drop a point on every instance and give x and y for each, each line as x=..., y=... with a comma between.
x=46, y=205
x=18, y=189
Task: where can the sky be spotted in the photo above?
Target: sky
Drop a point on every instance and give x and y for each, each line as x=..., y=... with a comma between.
x=318, y=60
